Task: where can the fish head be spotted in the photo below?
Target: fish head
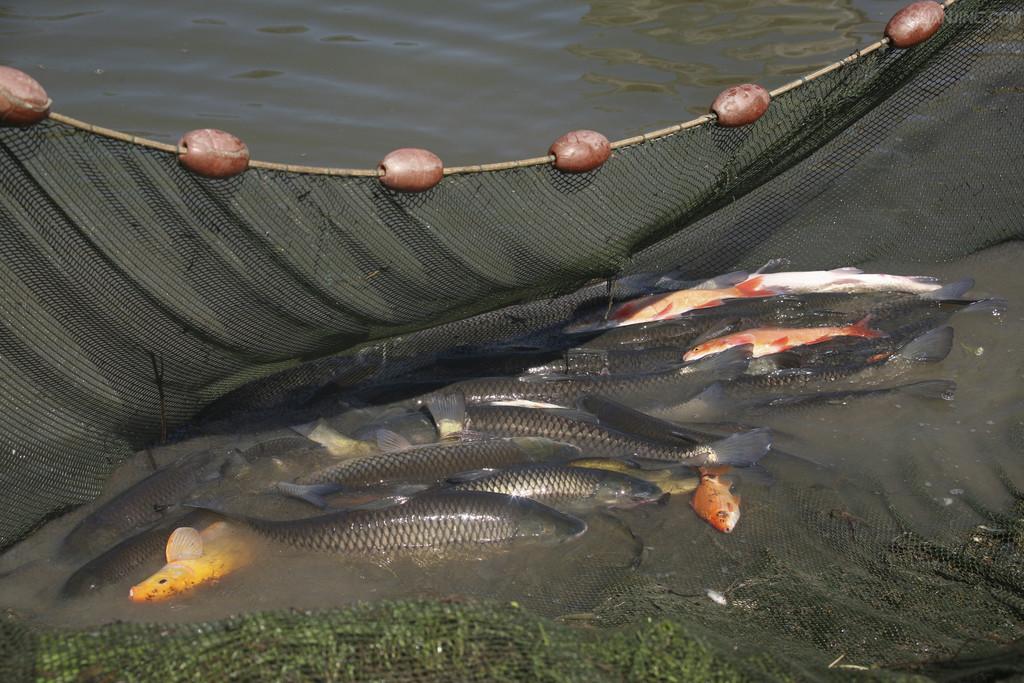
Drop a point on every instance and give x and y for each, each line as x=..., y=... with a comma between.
x=549, y=525
x=174, y=579
x=706, y=349
x=627, y=492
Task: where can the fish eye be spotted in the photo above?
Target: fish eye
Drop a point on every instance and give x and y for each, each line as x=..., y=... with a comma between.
x=162, y=581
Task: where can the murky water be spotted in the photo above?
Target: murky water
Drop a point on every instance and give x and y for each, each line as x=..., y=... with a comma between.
x=885, y=465
x=341, y=84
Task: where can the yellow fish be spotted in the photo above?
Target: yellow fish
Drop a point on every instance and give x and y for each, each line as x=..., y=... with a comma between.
x=194, y=558
x=675, y=480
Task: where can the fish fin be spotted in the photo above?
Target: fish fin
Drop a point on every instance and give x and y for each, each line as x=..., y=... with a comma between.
x=392, y=442
x=184, y=543
x=449, y=413
x=742, y=450
x=754, y=287
x=542, y=448
x=525, y=403
x=305, y=428
x=723, y=281
x=772, y=266
x=933, y=388
x=993, y=306
x=930, y=347
x=847, y=270
x=470, y=475
x=311, y=493
x=953, y=290
x=615, y=415
x=728, y=364
x=725, y=328
x=862, y=328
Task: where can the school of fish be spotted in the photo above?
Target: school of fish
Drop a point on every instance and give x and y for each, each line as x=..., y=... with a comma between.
x=646, y=400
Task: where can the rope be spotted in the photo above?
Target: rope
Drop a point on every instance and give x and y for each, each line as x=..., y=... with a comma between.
x=483, y=168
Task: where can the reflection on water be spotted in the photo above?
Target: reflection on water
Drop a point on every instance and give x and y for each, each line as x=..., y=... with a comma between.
x=328, y=84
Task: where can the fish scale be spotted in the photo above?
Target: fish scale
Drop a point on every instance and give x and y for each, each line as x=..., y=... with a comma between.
x=435, y=461
x=563, y=486
x=593, y=439
x=678, y=383
x=432, y=520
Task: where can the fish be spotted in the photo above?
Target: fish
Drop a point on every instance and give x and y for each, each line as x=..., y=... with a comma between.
x=671, y=480
x=336, y=443
x=846, y=279
x=582, y=361
x=563, y=391
x=403, y=462
x=768, y=340
x=714, y=502
x=714, y=402
x=597, y=440
x=673, y=304
x=565, y=488
x=434, y=521
x=195, y=558
x=136, y=553
x=146, y=502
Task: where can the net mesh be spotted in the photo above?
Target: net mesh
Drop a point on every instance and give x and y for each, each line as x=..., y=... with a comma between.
x=136, y=293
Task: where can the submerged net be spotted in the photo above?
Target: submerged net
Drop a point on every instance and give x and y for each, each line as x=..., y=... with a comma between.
x=136, y=294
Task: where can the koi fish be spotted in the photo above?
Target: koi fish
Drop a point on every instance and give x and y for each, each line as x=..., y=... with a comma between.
x=713, y=500
x=768, y=340
x=673, y=304
x=194, y=558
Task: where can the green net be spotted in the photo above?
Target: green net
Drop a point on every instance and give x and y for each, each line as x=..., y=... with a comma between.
x=137, y=295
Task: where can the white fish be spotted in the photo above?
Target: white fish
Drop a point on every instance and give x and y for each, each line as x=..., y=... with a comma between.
x=845, y=280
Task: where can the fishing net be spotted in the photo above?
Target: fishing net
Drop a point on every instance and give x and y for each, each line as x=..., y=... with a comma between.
x=136, y=295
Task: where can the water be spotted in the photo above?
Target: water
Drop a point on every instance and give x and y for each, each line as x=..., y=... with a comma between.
x=341, y=84
x=885, y=466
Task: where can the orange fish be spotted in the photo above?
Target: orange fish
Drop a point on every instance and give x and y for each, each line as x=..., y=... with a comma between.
x=768, y=340
x=713, y=500
x=672, y=304
x=195, y=558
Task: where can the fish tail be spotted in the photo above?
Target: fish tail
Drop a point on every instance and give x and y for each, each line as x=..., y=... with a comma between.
x=954, y=290
x=336, y=443
x=311, y=493
x=742, y=450
x=930, y=347
x=862, y=328
x=449, y=413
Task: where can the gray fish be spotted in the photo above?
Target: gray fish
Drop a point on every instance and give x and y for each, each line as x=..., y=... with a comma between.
x=563, y=487
x=138, y=552
x=641, y=390
x=402, y=461
x=597, y=440
x=714, y=403
x=144, y=503
x=783, y=387
x=437, y=521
